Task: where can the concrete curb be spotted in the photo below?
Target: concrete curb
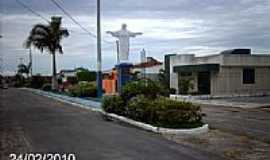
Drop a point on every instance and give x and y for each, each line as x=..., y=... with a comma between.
x=144, y=126
x=160, y=130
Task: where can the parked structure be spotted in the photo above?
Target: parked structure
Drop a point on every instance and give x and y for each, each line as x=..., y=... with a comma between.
x=230, y=73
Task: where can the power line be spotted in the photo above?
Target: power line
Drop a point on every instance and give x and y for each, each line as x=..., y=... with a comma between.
x=75, y=21
x=31, y=10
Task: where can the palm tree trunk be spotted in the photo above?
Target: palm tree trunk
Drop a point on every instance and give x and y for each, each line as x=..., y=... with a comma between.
x=54, y=78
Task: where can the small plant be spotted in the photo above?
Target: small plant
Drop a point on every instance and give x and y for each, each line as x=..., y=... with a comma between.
x=114, y=104
x=185, y=85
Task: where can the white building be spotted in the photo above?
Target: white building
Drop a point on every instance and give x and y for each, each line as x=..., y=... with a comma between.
x=233, y=72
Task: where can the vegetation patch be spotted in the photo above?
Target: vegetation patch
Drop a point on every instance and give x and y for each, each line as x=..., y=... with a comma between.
x=143, y=101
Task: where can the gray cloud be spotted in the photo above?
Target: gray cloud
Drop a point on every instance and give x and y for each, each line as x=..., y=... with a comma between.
x=185, y=26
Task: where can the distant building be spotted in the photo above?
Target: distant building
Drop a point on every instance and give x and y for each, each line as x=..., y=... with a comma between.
x=149, y=69
x=233, y=72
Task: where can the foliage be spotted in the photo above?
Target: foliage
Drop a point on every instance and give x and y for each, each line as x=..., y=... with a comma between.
x=163, y=78
x=185, y=85
x=161, y=112
x=23, y=69
x=46, y=87
x=140, y=108
x=164, y=112
x=85, y=75
x=83, y=89
x=175, y=114
x=114, y=104
x=48, y=37
x=19, y=80
x=145, y=87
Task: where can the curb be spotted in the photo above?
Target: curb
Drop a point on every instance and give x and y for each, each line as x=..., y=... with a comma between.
x=159, y=130
x=144, y=126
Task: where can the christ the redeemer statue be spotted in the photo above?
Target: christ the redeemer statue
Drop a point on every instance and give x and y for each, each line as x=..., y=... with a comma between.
x=123, y=35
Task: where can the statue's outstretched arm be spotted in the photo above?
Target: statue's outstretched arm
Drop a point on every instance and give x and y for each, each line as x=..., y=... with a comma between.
x=131, y=34
x=115, y=34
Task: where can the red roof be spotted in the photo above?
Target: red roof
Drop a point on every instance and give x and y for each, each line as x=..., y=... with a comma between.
x=151, y=62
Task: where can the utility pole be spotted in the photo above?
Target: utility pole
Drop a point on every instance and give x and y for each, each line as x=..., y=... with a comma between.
x=99, y=62
x=117, y=50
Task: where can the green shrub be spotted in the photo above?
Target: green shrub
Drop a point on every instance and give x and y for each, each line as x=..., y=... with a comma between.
x=46, y=87
x=114, y=104
x=164, y=112
x=145, y=87
x=140, y=108
x=175, y=114
x=84, y=89
x=185, y=85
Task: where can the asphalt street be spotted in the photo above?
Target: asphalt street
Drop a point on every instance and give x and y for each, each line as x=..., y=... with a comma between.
x=34, y=124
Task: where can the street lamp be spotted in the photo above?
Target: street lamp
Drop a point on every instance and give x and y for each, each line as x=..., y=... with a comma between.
x=99, y=62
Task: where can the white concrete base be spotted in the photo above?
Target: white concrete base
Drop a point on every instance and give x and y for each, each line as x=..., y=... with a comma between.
x=160, y=130
x=148, y=127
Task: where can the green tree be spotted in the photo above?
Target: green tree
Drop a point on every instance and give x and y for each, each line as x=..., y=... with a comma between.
x=23, y=69
x=48, y=37
x=83, y=74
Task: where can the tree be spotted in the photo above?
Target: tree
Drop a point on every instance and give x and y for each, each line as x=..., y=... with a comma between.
x=23, y=69
x=83, y=74
x=48, y=37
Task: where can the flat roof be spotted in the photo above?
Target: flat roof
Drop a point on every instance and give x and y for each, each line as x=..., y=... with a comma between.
x=197, y=68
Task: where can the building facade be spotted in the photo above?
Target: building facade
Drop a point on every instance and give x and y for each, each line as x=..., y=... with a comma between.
x=231, y=73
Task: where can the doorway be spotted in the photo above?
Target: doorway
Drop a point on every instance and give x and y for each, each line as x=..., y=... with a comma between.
x=204, y=82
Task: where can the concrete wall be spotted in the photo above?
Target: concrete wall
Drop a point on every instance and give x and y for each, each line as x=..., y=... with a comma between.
x=229, y=81
x=245, y=60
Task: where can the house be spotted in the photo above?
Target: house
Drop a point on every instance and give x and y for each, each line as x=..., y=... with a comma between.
x=149, y=69
x=234, y=72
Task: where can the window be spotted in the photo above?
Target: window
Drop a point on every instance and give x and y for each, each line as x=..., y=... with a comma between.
x=248, y=76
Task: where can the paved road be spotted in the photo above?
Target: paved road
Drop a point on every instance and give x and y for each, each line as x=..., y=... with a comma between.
x=254, y=123
x=31, y=123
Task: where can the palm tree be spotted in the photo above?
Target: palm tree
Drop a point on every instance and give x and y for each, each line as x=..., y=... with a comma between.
x=23, y=69
x=48, y=37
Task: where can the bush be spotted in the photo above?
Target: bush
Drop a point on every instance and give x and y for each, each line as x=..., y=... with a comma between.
x=84, y=89
x=175, y=114
x=47, y=87
x=85, y=75
x=185, y=85
x=145, y=87
x=141, y=108
x=114, y=104
x=164, y=112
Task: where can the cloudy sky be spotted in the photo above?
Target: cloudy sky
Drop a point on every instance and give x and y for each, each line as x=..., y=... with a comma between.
x=170, y=26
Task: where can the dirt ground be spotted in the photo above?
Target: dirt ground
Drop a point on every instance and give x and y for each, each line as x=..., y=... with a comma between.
x=227, y=145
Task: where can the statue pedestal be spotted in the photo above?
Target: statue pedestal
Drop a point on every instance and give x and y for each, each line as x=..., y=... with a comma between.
x=123, y=74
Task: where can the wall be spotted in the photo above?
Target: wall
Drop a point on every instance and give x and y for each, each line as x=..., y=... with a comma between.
x=229, y=82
